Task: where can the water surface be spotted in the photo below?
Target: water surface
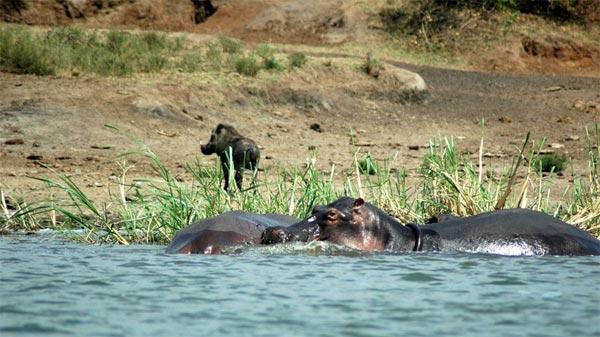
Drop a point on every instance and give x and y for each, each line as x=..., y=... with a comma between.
x=51, y=287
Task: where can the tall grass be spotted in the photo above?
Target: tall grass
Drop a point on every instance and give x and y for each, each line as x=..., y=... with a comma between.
x=64, y=49
x=22, y=52
x=77, y=51
x=153, y=210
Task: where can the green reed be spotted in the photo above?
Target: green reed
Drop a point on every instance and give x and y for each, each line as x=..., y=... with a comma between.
x=78, y=51
x=153, y=210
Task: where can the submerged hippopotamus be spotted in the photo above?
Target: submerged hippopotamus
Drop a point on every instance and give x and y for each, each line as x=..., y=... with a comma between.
x=360, y=225
x=234, y=228
x=304, y=230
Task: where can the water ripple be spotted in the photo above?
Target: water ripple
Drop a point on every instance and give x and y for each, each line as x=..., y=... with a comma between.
x=60, y=288
x=420, y=277
x=32, y=328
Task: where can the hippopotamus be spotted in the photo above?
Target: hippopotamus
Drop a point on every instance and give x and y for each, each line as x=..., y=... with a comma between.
x=304, y=230
x=228, y=144
x=234, y=228
x=360, y=225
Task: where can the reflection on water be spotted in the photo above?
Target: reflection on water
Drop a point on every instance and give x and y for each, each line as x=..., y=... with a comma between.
x=50, y=287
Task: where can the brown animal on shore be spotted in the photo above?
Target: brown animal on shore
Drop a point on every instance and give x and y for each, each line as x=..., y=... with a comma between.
x=227, y=143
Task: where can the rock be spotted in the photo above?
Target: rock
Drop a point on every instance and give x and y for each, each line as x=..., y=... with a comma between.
x=587, y=107
x=34, y=157
x=554, y=88
x=403, y=85
x=101, y=147
x=565, y=119
x=316, y=127
x=14, y=141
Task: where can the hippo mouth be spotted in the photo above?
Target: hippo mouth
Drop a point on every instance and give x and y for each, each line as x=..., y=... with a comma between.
x=317, y=235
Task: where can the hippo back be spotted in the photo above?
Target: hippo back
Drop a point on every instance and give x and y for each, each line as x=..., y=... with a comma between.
x=514, y=232
x=210, y=235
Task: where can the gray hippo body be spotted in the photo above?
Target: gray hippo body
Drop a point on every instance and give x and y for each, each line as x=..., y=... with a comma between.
x=360, y=225
x=509, y=232
x=211, y=235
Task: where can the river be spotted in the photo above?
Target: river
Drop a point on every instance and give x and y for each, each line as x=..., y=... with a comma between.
x=53, y=287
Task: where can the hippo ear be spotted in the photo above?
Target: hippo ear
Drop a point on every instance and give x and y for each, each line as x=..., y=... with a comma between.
x=359, y=202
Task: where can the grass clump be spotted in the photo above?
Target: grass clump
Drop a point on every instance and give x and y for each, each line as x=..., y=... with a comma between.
x=368, y=166
x=296, y=60
x=77, y=51
x=550, y=163
x=190, y=62
x=247, y=65
x=584, y=206
x=227, y=53
x=261, y=58
x=229, y=45
x=267, y=55
x=214, y=56
x=24, y=53
x=372, y=66
x=64, y=49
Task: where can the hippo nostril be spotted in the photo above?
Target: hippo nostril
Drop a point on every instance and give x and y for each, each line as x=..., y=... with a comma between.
x=333, y=215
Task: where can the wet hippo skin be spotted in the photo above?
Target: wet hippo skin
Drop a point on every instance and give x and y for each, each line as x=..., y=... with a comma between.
x=363, y=226
x=304, y=230
x=211, y=235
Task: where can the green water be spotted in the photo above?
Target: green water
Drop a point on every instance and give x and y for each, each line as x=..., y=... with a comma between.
x=50, y=287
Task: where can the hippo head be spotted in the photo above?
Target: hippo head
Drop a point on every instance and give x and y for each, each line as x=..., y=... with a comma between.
x=357, y=226
x=306, y=229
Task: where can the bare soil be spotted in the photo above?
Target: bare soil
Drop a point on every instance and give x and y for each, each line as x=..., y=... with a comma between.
x=57, y=123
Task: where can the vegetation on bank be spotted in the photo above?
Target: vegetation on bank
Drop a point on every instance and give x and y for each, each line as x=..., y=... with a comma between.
x=447, y=26
x=152, y=210
x=440, y=31
x=76, y=51
x=443, y=13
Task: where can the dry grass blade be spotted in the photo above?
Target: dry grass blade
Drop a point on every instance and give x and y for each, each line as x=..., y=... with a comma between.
x=511, y=181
